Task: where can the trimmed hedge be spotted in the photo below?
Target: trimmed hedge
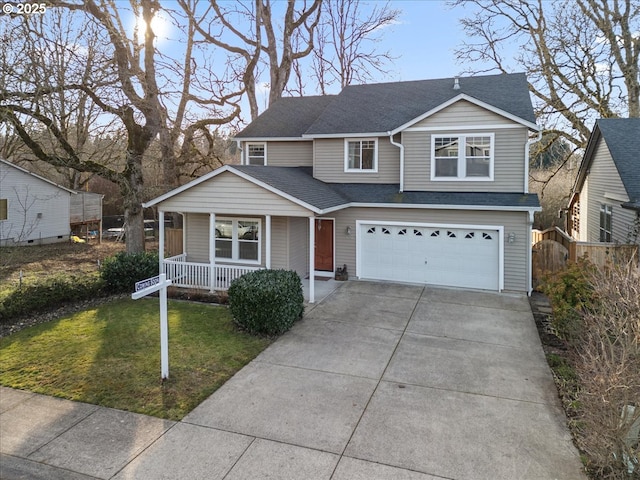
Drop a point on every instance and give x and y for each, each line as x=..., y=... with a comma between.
x=121, y=272
x=266, y=302
x=49, y=294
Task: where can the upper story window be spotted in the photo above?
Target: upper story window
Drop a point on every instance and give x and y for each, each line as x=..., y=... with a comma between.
x=361, y=155
x=256, y=154
x=462, y=157
x=606, y=217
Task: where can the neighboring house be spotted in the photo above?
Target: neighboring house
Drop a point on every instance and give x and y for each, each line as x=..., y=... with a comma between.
x=605, y=203
x=420, y=182
x=34, y=210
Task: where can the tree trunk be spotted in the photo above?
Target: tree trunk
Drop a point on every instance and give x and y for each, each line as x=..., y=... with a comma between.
x=132, y=191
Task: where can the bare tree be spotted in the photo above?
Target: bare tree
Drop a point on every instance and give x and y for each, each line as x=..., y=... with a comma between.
x=252, y=36
x=348, y=35
x=131, y=96
x=581, y=57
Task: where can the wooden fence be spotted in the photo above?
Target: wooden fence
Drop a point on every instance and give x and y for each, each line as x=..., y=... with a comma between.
x=552, y=248
x=173, y=242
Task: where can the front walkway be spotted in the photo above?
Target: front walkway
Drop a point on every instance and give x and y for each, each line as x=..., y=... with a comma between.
x=377, y=382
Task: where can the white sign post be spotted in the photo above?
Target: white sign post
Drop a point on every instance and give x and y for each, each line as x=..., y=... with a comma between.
x=144, y=288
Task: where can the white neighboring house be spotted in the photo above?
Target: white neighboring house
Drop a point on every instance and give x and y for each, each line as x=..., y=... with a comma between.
x=33, y=210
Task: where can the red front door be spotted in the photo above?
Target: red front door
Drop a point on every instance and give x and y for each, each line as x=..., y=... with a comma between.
x=324, y=245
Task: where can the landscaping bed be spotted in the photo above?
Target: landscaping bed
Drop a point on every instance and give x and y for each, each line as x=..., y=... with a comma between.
x=589, y=327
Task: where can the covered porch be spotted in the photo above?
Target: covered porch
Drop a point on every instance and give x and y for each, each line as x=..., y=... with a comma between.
x=239, y=219
x=236, y=245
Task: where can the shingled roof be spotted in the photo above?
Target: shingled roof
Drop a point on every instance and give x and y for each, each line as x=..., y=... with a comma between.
x=622, y=136
x=384, y=107
x=289, y=117
x=298, y=182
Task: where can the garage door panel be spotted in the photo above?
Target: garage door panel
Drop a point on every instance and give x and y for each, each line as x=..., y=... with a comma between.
x=450, y=256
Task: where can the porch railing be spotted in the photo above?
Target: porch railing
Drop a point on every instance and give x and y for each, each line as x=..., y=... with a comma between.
x=198, y=275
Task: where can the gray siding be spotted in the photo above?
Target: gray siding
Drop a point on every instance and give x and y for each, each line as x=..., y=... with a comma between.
x=509, y=158
x=229, y=194
x=37, y=211
x=463, y=113
x=515, y=254
x=605, y=187
x=196, y=226
x=329, y=155
x=290, y=154
x=279, y=243
x=299, y=245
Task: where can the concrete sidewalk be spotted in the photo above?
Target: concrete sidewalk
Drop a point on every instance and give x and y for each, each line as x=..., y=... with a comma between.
x=378, y=381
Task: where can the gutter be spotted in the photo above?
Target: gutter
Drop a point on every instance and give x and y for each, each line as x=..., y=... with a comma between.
x=527, y=147
x=401, y=147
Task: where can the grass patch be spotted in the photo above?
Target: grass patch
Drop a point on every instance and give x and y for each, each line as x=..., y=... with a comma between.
x=110, y=356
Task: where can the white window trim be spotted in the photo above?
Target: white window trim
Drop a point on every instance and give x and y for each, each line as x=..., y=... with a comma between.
x=262, y=144
x=346, y=155
x=235, y=243
x=607, y=209
x=461, y=157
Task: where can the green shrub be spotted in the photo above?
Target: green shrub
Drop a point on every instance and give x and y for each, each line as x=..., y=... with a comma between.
x=121, y=272
x=570, y=293
x=266, y=302
x=49, y=294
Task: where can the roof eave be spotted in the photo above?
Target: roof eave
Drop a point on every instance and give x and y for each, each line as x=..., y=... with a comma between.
x=270, y=139
x=631, y=206
x=435, y=206
x=345, y=135
x=35, y=175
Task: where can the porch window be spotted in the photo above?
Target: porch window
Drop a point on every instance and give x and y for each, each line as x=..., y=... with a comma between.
x=256, y=154
x=606, y=214
x=361, y=155
x=238, y=239
x=462, y=157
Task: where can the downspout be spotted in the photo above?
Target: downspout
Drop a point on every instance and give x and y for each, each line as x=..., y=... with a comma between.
x=239, y=144
x=527, y=147
x=529, y=253
x=401, y=147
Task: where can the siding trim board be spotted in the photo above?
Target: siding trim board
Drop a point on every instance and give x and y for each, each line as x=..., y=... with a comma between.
x=463, y=127
x=492, y=208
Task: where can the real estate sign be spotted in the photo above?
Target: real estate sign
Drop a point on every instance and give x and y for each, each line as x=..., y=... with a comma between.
x=159, y=283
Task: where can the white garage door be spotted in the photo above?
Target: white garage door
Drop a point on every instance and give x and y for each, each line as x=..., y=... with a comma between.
x=437, y=255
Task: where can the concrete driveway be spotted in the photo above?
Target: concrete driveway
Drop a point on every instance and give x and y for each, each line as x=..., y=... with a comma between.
x=378, y=381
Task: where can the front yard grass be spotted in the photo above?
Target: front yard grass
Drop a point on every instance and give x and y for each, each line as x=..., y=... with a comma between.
x=110, y=355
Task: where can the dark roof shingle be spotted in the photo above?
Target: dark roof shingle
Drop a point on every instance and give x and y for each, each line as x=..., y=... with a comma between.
x=298, y=182
x=383, y=107
x=288, y=117
x=622, y=136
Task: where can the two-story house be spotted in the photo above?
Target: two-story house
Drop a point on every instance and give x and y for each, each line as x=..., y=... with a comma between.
x=419, y=182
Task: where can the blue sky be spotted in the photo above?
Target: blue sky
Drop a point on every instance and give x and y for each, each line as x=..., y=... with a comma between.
x=425, y=40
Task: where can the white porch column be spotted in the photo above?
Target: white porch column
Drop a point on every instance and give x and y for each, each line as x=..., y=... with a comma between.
x=161, y=241
x=212, y=251
x=267, y=243
x=312, y=264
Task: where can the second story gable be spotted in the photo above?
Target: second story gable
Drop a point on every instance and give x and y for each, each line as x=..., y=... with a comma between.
x=464, y=134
